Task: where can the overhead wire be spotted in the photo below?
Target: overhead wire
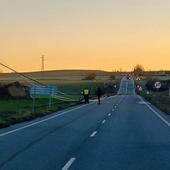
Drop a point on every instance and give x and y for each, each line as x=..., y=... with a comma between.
x=33, y=80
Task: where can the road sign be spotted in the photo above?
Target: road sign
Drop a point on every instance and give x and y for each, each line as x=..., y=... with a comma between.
x=158, y=85
x=44, y=90
x=39, y=91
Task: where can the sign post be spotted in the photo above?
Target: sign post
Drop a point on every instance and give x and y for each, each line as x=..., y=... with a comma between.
x=50, y=101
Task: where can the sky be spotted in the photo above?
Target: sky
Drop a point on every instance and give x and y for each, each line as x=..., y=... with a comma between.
x=85, y=34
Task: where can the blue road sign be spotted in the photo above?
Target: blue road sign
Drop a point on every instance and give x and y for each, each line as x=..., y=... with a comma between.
x=44, y=90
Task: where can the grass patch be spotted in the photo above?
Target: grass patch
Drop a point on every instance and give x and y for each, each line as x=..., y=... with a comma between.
x=15, y=111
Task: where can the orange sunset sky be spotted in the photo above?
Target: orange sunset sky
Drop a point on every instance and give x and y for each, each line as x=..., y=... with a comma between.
x=85, y=34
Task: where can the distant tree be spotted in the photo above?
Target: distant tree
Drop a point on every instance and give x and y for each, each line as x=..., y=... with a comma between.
x=138, y=70
x=91, y=76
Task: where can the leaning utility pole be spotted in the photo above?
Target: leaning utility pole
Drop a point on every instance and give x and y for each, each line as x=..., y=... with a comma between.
x=23, y=75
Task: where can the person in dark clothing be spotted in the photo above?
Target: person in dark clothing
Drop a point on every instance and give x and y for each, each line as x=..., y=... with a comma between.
x=99, y=93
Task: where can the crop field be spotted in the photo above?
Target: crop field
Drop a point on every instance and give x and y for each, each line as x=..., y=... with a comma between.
x=69, y=83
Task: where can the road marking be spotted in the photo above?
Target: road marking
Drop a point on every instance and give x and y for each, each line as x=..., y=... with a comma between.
x=93, y=134
x=109, y=114
x=142, y=102
x=104, y=121
x=113, y=110
x=115, y=107
x=155, y=112
x=69, y=163
x=41, y=121
x=47, y=119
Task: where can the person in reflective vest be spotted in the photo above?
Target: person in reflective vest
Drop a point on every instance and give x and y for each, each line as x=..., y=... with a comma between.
x=86, y=94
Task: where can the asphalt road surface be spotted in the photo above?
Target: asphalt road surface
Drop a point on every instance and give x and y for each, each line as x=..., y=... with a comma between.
x=123, y=133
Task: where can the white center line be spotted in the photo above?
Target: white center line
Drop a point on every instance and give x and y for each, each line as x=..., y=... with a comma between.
x=109, y=114
x=104, y=121
x=93, y=134
x=69, y=163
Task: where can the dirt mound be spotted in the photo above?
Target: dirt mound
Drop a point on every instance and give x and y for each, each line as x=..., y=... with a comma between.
x=14, y=90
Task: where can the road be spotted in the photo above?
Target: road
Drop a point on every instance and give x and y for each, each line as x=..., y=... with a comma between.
x=123, y=133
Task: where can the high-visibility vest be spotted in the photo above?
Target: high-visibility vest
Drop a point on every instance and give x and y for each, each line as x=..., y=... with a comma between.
x=86, y=92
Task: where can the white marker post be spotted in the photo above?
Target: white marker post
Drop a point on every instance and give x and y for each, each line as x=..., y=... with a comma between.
x=50, y=101
x=33, y=105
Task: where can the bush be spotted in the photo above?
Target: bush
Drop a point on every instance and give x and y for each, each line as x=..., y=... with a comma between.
x=91, y=76
x=112, y=77
x=150, y=85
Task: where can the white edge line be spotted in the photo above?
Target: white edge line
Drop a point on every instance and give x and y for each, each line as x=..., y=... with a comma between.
x=93, y=134
x=104, y=121
x=45, y=120
x=109, y=114
x=69, y=163
x=156, y=113
x=41, y=121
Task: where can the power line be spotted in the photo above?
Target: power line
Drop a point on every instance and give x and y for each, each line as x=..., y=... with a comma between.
x=21, y=74
x=33, y=80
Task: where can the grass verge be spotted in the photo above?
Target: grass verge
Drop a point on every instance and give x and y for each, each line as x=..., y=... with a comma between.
x=159, y=99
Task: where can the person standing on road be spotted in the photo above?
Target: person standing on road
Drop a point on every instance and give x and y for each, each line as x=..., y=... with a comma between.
x=86, y=93
x=99, y=93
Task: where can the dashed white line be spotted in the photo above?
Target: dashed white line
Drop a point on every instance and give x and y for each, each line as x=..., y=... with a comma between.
x=68, y=164
x=104, y=121
x=93, y=134
x=109, y=114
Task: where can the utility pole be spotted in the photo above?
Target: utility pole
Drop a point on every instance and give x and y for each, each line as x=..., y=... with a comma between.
x=42, y=66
